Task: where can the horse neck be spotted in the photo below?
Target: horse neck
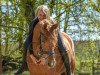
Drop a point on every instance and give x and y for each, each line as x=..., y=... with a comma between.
x=36, y=34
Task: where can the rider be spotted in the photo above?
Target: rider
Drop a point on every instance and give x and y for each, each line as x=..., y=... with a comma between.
x=42, y=12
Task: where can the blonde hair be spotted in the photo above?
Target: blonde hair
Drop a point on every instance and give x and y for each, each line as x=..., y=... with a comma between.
x=45, y=9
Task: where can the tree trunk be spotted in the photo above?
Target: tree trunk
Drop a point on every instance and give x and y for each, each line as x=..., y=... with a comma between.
x=0, y=43
x=99, y=52
x=7, y=30
x=66, y=21
x=58, y=15
x=0, y=52
x=29, y=7
x=68, y=10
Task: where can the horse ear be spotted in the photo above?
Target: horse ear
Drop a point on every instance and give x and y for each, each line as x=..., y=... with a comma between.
x=54, y=26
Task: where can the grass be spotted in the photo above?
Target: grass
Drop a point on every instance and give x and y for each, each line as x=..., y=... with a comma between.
x=12, y=73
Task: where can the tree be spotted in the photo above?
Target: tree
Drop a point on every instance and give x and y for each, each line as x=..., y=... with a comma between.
x=96, y=6
x=0, y=40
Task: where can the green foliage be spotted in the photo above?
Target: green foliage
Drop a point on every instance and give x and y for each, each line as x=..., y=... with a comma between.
x=12, y=73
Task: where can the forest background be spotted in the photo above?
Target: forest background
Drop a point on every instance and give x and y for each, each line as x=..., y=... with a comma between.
x=78, y=18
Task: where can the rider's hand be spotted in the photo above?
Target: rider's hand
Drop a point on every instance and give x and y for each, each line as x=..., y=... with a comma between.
x=33, y=58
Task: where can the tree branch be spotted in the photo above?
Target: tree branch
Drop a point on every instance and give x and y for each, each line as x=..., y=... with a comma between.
x=13, y=27
x=67, y=7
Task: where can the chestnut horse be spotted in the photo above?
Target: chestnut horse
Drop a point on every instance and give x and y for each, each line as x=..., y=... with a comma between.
x=45, y=47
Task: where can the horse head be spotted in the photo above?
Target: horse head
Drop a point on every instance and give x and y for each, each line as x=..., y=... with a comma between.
x=49, y=37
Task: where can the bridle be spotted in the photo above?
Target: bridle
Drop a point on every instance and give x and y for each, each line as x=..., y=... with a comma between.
x=42, y=51
x=49, y=53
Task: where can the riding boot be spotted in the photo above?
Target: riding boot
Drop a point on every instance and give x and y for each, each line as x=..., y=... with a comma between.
x=23, y=64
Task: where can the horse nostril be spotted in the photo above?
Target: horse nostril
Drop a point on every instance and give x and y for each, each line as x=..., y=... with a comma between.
x=52, y=64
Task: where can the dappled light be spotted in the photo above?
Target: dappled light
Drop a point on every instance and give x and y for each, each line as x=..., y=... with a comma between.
x=80, y=19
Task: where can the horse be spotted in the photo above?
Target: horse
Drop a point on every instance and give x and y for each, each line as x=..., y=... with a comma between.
x=45, y=47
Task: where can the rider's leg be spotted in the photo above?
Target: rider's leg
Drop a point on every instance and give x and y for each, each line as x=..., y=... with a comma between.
x=23, y=64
